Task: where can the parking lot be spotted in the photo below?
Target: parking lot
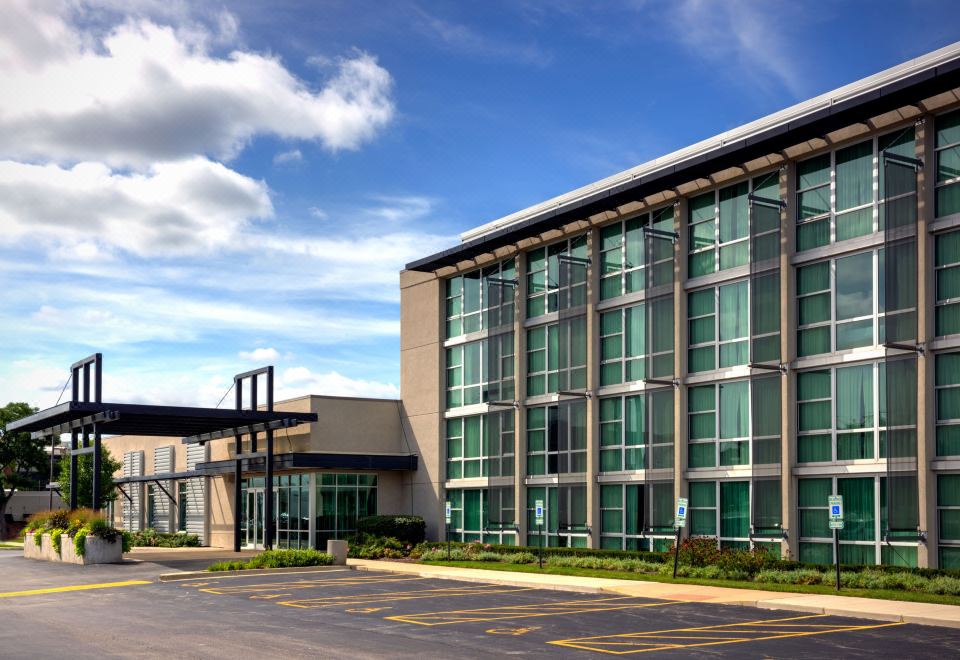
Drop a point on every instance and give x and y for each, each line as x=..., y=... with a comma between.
x=340, y=612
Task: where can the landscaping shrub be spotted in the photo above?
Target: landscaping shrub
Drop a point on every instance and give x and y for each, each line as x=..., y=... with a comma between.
x=277, y=559
x=365, y=546
x=154, y=539
x=406, y=529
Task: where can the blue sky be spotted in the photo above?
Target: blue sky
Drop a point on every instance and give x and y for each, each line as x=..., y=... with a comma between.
x=195, y=189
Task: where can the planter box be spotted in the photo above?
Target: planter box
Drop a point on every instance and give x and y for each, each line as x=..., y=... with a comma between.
x=96, y=550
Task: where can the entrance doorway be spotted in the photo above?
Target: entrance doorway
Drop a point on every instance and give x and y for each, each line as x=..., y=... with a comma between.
x=253, y=516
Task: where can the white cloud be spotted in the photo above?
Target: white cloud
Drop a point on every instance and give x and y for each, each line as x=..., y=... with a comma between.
x=747, y=40
x=317, y=212
x=288, y=157
x=176, y=208
x=298, y=381
x=145, y=92
x=260, y=355
x=464, y=39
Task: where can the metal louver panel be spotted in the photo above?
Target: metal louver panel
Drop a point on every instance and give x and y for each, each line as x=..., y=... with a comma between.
x=133, y=507
x=197, y=493
x=162, y=506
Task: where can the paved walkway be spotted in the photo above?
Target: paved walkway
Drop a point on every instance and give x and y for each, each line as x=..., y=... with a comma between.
x=861, y=608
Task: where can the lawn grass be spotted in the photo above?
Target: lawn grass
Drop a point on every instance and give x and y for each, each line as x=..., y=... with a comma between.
x=882, y=594
x=6, y=545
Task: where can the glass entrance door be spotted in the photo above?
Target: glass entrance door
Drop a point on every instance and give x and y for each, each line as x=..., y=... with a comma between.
x=253, y=518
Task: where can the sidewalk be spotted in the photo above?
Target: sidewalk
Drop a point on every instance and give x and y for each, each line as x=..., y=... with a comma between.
x=862, y=608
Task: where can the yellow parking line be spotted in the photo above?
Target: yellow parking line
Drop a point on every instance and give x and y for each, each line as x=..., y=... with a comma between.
x=585, y=606
x=414, y=594
x=222, y=590
x=75, y=587
x=730, y=633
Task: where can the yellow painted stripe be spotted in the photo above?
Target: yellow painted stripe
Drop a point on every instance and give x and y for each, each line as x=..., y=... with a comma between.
x=75, y=587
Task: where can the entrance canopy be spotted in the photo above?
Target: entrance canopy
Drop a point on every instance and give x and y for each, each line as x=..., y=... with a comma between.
x=137, y=419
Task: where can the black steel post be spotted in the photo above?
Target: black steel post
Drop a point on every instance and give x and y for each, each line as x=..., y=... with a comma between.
x=540, y=546
x=75, y=384
x=50, y=488
x=86, y=382
x=74, y=436
x=676, y=554
x=237, y=502
x=95, y=485
x=98, y=374
x=836, y=554
x=268, y=504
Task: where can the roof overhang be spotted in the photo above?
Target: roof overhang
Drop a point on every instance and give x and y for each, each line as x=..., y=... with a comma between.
x=315, y=461
x=137, y=419
x=901, y=86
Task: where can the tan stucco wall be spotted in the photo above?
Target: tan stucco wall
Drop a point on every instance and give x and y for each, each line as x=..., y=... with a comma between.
x=421, y=389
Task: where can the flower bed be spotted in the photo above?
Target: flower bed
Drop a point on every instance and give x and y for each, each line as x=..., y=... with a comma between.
x=76, y=537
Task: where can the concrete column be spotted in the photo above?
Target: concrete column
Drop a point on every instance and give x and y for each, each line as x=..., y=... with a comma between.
x=788, y=352
x=593, y=384
x=680, y=341
x=927, y=554
x=520, y=417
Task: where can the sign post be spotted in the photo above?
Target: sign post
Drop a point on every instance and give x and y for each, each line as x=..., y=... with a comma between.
x=447, y=514
x=680, y=521
x=538, y=519
x=835, y=502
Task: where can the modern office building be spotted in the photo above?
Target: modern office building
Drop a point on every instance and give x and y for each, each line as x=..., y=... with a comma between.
x=755, y=323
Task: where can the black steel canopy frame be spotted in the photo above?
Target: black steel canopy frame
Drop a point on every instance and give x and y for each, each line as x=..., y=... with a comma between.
x=83, y=417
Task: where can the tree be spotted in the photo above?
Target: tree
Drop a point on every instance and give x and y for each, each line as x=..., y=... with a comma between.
x=108, y=466
x=21, y=458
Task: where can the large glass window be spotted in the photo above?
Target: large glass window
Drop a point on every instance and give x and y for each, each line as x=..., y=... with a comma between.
x=557, y=439
x=557, y=357
x=948, y=163
x=718, y=224
x=341, y=500
x=631, y=426
x=837, y=416
x=841, y=303
x=861, y=539
x=544, y=277
x=293, y=510
x=719, y=326
x=481, y=299
x=623, y=254
x=947, y=266
x=835, y=191
x=948, y=514
x=480, y=446
x=625, y=509
x=470, y=509
x=480, y=371
x=948, y=404
x=562, y=505
x=722, y=509
x=623, y=344
x=721, y=428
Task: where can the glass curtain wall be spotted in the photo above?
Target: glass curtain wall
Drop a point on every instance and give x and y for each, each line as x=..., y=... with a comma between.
x=543, y=276
x=471, y=508
x=947, y=389
x=947, y=144
x=480, y=300
x=861, y=539
x=947, y=268
x=341, y=500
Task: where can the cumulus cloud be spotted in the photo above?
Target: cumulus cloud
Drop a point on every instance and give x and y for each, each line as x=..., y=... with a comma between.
x=260, y=355
x=145, y=92
x=288, y=157
x=174, y=209
x=298, y=381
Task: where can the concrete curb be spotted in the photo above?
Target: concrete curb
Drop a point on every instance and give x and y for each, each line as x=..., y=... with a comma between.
x=193, y=575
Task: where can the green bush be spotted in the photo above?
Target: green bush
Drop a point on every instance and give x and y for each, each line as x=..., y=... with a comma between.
x=366, y=546
x=277, y=559
x=55, y=540
x=154, y=539
x=406, y=529
x=80, y=542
